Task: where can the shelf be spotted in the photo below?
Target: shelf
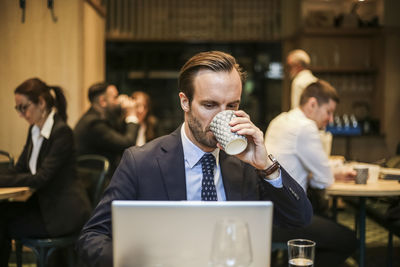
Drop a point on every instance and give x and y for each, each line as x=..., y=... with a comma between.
x=162, y=74
x=344, y=70
x=350, y=32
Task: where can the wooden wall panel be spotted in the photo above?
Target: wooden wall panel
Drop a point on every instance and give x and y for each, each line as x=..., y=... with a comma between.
x=39, y=47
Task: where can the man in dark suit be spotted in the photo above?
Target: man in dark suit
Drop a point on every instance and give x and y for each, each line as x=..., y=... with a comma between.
x=109, y=126
x=170, y=167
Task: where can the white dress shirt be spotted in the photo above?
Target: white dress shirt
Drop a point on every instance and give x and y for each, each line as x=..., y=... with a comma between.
x=295, y=142
x=194, y=174
x=303, y=79
x=37, y=140
x=141, y=137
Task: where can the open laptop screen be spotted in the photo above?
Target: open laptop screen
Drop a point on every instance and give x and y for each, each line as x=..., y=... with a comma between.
x=180, y=233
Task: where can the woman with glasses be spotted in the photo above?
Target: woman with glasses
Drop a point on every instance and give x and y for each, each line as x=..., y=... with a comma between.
x=59, y=205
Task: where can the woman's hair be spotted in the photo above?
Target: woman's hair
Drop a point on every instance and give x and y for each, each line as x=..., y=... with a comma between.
x=35, y=88
x=146, y=98
x=149, y=120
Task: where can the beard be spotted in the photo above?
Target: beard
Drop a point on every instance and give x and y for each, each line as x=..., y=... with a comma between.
x=199, y=134
x=114, y=112
x=115, y=117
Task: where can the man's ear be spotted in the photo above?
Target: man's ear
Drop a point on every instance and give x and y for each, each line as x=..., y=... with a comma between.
x=185, y=103
x=42, y=103
x=102, y=101
x=313, y=103
x=309, y=107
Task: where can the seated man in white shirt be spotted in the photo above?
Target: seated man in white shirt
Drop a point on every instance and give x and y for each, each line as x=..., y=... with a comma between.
x=293, y=137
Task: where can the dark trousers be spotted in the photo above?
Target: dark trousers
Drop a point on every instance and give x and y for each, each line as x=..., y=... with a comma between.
x=17, y=220
x=334, y=242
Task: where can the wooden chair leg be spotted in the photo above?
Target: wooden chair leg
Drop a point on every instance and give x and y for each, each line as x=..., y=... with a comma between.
x=18, y=253
x=390, y=249
x=71, y=257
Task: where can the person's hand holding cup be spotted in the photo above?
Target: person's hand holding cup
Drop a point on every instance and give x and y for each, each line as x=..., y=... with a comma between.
x=127, y=104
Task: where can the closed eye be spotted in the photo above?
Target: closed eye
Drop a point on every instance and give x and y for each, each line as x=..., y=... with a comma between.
x=233, y=106
x=209, y=104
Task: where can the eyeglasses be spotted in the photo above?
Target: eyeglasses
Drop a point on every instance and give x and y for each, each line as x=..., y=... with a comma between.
x=22, y=108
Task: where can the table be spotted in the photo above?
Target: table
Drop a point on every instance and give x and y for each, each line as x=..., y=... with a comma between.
x=362, y=191
x=15, y=193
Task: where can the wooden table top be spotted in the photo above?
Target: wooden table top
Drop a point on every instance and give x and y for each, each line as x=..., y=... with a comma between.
x=15, y=193
x=379, y=189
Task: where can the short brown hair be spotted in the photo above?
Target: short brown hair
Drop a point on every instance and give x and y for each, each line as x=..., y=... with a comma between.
x=97, y=89
x=212, y=60
x=321, y=90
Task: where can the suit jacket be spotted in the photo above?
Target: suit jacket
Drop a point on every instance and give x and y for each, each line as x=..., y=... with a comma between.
x=156, y=171
x=96, y=135
x=59, y=193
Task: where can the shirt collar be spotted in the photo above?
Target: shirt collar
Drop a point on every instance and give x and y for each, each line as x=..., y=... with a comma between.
x=299, y=112
x=48, y=125
x=193, y=153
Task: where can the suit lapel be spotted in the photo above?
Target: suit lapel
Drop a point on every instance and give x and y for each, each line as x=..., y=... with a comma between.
x=45, y=145
x=42, y=153
x=232, y=176
x=172, y=165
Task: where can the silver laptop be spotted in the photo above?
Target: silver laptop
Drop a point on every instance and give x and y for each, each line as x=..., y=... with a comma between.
x=180, y=233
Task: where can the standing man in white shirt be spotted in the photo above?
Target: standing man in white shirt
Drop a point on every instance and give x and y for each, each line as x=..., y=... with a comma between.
x=298, y=63
x=293, y=137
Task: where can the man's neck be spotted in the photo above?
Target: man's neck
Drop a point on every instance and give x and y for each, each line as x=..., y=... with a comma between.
x=99, y=109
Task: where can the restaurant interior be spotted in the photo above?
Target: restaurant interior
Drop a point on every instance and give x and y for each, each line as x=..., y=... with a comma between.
x=142, y=44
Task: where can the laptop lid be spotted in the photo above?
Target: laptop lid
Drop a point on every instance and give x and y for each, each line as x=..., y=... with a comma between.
x=180, y=233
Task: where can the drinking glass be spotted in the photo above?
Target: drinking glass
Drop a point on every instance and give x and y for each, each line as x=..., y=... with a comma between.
x=301, y=252
x=231, y=245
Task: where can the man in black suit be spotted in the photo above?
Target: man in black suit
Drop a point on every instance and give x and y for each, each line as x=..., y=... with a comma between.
x=109, y=126
x=170, y=167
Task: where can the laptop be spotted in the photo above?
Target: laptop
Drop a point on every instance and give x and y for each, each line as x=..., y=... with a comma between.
x=180, y=233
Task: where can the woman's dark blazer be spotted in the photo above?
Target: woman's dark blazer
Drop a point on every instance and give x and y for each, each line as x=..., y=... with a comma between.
x=64, y=205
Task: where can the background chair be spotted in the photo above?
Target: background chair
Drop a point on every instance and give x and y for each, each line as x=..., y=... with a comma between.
x=393, y=162
x=92, y=171
x=6, y=160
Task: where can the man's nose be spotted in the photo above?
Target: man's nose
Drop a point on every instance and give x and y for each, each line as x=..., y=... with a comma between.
x=331, y=118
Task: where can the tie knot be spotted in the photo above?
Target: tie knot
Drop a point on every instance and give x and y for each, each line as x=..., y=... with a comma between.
x=208, y=159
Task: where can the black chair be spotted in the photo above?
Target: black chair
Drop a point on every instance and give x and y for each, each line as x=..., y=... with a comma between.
x=6, y=160
x=92, y=170
x=393, y=162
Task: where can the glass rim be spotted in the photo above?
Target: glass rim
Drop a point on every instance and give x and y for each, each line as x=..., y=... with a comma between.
x=310, y=242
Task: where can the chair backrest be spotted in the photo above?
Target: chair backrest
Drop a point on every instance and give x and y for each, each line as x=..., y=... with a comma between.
x=6, y=160
x=92, y=170
x=393, y=162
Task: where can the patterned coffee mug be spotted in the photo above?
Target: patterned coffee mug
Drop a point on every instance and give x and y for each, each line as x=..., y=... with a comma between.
x=232, y=143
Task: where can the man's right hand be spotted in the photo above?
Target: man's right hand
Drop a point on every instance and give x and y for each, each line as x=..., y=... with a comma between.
x=345, y=175
x=128, y=105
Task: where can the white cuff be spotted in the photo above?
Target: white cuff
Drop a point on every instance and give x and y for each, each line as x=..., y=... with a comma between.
x=131, y=119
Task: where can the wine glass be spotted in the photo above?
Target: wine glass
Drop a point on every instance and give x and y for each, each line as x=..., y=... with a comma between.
x=231, y=245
